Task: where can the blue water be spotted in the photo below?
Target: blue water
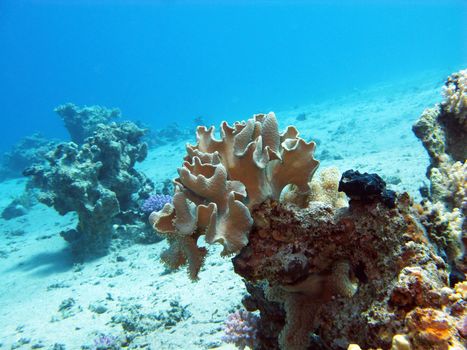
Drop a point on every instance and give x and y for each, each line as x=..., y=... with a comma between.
x=162, y=61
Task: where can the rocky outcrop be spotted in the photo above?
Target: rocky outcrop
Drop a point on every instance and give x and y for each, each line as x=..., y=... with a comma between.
x=99, y=182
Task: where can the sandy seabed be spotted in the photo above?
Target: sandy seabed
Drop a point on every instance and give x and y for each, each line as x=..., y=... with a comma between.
x=47, y=301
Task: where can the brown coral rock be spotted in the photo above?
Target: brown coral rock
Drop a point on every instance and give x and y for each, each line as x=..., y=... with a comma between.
x=344, y=263
x=430, y=328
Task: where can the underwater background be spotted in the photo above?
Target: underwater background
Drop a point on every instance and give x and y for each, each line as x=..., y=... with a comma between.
x=327, y=214
x=162, y=61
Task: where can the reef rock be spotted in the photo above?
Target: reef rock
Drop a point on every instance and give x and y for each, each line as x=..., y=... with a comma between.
x=443, y=132
x=98, y=181
x=81, y=123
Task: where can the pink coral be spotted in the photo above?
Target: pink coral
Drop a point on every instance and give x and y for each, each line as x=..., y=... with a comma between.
x=241, y=329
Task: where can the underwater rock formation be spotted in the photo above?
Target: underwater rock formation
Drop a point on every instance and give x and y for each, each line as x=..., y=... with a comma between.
x=328, y=263
x=443, y=132
x=28, y=151
x=82, y=122
x=13, y=210
x=98, y=181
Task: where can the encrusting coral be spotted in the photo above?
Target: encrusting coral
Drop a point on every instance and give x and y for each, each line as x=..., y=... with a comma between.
x=442, y=130
x=455, y=96
x=328, y=263
x=98, y=181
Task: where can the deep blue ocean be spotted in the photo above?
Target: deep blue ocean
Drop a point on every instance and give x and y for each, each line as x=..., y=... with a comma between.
x=164, y=61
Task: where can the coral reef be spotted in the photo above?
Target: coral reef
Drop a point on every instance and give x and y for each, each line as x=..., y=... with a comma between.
x=28, y=151
x=442, y=130
x=455, y=97
x=98, y=181
x=328, y=263
x=240, y=329
x=340, y=273
x=325, y=189
x=81, y=123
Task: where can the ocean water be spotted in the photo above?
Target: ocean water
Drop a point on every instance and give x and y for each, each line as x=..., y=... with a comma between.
x=352, y=75
x=162, y=61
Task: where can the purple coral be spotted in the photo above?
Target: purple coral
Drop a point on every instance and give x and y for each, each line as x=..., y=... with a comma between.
x=241, y=329
x=156, y=202
x=106, y=342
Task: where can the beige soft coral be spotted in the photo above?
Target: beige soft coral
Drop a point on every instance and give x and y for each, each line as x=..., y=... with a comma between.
x=221, y=180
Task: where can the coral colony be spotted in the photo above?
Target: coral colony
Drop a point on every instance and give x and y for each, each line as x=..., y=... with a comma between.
x=156, y=202
x=333, y=262
x=240, y=329
x=95, y=179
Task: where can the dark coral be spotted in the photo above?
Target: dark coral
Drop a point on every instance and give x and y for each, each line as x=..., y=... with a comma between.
x=366, y=187
x=98, y=181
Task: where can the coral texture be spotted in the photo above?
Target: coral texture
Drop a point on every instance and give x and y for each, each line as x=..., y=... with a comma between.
x=339, y=273
x=221, y=180
x=82, y=122
x=443, y=131
x=156, y=202
x=98, y=181
x=240, y=329
x=455, y=96
x=430, y=314
x=325, y=189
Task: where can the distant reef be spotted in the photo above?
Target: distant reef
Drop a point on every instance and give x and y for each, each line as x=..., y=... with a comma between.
x=28, y=151
x=336, y=262
x=80, y=122
x=97, y=180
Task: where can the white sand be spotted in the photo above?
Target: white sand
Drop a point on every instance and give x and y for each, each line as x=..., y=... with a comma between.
x=368, y=131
